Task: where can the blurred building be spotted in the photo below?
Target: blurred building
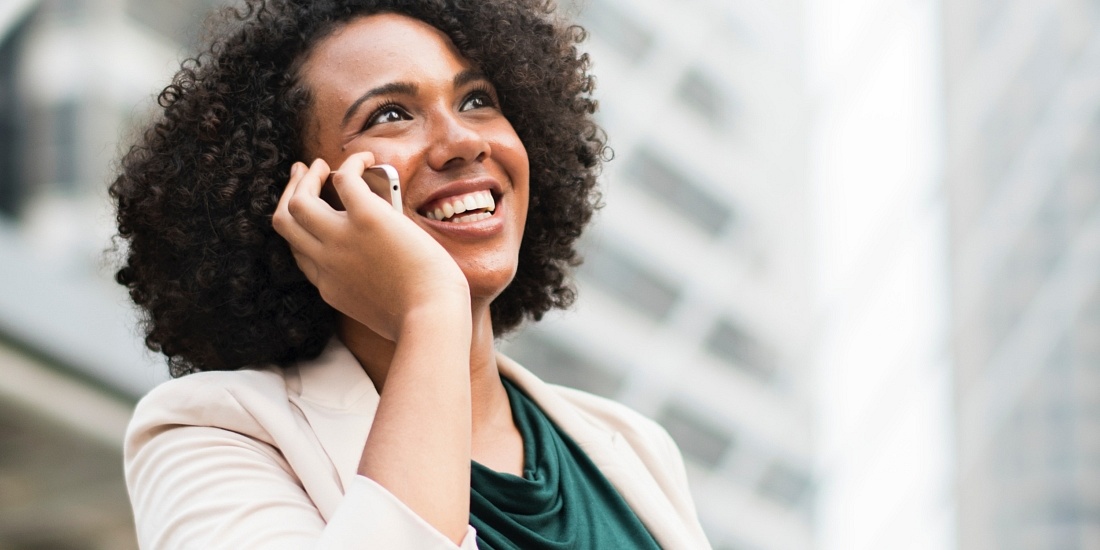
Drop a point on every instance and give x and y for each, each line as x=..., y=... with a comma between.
x=695, y=294
x=768, y=279
x=1023, y=170
x=74, y=74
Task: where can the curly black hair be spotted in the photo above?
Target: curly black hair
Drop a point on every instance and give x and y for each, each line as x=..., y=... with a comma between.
x=195, y=195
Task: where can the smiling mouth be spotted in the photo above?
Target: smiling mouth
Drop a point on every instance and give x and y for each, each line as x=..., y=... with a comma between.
x=467, y=208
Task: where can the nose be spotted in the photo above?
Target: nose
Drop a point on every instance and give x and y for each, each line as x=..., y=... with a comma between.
x=456, y=142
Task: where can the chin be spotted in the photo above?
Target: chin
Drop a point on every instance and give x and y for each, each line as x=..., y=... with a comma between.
x=486, y=285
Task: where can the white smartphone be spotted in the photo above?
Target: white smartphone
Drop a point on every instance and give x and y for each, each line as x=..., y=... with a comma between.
x=382, y=179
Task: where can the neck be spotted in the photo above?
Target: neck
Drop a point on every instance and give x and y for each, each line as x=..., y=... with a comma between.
x=489, y=402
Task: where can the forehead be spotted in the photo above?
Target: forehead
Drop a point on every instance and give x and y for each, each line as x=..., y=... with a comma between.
x=377, y=49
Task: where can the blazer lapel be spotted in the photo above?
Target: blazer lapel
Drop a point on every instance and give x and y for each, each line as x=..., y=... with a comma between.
x=338, y=401
x=612, y=454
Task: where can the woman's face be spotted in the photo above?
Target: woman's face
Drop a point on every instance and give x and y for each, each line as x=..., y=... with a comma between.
x=397, y=87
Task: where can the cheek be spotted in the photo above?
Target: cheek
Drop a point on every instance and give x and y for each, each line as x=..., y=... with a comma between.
x=512, y=155
x=392, y=151
x=400, y=155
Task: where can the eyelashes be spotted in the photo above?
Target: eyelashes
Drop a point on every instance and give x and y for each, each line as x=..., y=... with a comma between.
x=483, y=92
x=481, y=96
x=389, y=111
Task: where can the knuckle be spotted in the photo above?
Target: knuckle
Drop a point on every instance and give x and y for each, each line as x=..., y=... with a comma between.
x=360, y=217
x=279, y=220
x=296, y=206
x=310, y=271
x=326, y=291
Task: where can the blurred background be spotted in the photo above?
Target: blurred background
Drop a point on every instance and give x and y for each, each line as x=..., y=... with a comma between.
x=850, y=259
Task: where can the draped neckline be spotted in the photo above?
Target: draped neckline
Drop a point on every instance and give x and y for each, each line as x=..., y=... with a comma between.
x=562, y=501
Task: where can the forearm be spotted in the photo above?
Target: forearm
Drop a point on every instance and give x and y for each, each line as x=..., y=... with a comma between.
x=212, y=488
x=419, y=443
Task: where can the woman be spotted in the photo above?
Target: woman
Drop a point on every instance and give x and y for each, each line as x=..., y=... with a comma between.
x=343, y=389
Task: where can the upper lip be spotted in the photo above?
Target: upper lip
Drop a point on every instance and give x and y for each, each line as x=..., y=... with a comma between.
x=461, y=187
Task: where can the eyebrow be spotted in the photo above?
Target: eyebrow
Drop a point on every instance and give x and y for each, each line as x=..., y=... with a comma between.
x=405, y=88
x=465, y=77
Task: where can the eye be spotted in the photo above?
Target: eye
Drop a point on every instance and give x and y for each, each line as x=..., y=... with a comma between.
x=389, y=112
x=478, y=99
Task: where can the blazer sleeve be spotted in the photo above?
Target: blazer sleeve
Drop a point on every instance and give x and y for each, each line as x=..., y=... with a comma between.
x=211, y=487
x=678, y=490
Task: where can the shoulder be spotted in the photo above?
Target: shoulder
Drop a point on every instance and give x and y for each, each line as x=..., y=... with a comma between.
x=574, y=409
x=648, y=438
x=612, y=415
x=202, y=396
x=232, y=400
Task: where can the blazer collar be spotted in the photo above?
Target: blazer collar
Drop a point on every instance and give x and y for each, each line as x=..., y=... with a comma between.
x=339, y=401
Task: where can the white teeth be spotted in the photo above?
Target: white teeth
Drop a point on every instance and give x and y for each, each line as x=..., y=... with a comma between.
x=472, y=218
x=473, y=201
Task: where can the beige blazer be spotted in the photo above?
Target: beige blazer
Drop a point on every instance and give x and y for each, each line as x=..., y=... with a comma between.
x=267, y=458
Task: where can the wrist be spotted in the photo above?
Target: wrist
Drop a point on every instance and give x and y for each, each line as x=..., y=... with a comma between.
x=443, y=313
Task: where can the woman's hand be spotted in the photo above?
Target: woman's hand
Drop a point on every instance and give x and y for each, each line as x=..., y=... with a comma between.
x=379, y=268
x=368, y=261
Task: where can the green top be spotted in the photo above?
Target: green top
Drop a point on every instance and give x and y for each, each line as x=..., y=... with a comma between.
x=561, y=502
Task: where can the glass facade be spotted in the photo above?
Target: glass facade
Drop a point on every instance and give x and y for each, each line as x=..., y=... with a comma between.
x=1022, y=147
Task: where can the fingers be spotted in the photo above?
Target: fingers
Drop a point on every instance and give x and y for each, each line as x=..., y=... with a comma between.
x=287, y=224
x=306, y=206
x=307, y=221
x=348, y=179
x=304, y=246
x=313, y=179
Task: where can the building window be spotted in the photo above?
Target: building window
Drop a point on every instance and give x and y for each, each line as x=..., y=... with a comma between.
x=12, y=133
x=704, y=96
x=179, y=21
x=72, y=10
x=558, y=363
x=65, y=128
x=630, y=282
x=785, y=484
x=733, y=345
x=624, y=33
x=697, y=438
x=671, y=187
